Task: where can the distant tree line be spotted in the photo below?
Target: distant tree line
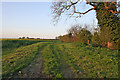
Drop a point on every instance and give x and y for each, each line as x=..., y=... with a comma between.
x=95, y=37
x=77, y=33
x=27, y=38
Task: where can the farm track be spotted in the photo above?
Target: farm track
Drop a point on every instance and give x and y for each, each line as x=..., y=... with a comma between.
x=36, y=67
x=33, y=70
x=57, y=60
x=65, y=68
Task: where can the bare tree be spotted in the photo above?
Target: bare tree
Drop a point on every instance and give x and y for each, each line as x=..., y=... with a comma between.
x=74, y=30
x=58, y=8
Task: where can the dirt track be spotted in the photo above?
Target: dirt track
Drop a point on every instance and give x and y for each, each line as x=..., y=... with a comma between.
x=35, y=68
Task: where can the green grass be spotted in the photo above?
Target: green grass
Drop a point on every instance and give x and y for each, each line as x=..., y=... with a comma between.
x=51, y=59
x=20, y=58
x=84, y=60
x=10, y=45
x=87, y=61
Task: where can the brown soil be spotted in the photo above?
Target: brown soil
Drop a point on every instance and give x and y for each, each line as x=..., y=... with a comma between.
x=65, y=68
x=34, y=70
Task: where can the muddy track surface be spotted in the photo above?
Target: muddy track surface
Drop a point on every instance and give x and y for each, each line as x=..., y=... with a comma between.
x=35, y=68
x=65, y=68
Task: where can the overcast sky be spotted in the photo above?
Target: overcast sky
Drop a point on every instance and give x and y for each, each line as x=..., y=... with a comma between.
x=33, y=19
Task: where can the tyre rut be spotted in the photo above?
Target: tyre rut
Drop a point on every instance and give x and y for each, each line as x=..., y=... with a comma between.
x=33, y=70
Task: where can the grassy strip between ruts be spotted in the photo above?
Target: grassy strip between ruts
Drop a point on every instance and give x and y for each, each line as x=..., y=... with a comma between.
x=21, y=58
x=51, y=59
x=91, y=62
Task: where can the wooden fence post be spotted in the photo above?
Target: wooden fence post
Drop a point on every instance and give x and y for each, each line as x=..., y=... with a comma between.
x=88, y=41
x=110, y=45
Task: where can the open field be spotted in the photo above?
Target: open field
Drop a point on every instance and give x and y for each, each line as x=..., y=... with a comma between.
x=55, y=59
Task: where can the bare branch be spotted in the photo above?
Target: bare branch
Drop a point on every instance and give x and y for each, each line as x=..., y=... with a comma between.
x=84, y=12
x=58, y=8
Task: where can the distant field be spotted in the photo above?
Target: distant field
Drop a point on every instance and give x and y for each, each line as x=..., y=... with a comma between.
x=57, y=59
x=10, y=45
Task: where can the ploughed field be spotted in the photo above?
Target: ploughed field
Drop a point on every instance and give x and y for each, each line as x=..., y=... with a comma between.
x=56, y=59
